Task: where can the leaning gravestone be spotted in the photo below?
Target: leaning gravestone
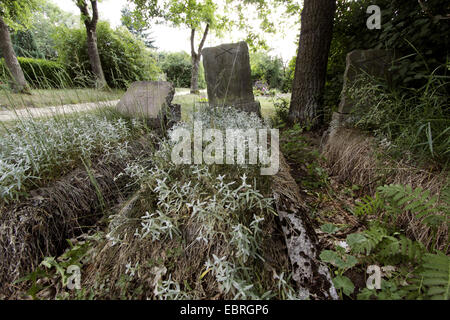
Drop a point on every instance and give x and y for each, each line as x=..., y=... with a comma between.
x=228, y=76
x=374, y=63
x=151, y=100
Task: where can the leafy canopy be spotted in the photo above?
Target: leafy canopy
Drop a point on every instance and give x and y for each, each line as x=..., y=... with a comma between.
x=189, y=13
x=17, y=13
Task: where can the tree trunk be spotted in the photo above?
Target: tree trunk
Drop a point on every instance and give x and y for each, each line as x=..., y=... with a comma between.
x=19, y=83
x=310, y=70
x=91, y=29
x=194, y=74
x=195, y=58
x=94, y=58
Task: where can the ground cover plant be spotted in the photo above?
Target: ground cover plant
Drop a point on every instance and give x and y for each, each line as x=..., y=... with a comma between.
x=201, y=232
x=34, y=152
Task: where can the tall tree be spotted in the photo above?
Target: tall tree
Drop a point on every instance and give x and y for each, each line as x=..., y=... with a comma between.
x=137, y=27
x=90, y=19
x=317, y=20
x=15, y=15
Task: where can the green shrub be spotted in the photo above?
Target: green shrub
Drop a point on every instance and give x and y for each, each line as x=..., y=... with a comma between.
x=40, y=73
x=124, y=58
x=177, y=66
x=267, y=69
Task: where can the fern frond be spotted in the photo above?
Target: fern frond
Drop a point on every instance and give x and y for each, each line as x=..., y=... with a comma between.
x=417, y=201
x=436, y=276
x=368, y=206
x=366, y=241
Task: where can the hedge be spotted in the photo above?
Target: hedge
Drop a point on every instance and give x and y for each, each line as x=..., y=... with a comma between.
x=40, y=73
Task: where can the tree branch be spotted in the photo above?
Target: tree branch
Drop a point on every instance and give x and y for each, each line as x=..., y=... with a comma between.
x=82, y=5
x=202, y=43
x=94, y=13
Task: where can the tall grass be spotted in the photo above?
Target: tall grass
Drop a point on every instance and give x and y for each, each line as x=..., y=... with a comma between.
x=59, y=88
x=410, y=122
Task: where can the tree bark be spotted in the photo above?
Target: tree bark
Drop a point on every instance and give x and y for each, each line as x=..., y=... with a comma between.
x=195, y=58
x=19, y=84
x=310, y=70
x=91, y=30
x=94, y=58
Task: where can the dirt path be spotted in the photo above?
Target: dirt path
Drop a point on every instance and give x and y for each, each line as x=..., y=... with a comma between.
x=11, y=115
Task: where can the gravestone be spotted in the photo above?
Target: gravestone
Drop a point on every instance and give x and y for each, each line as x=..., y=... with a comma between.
x=374, y=63
x=151, y=100
x=228, y=76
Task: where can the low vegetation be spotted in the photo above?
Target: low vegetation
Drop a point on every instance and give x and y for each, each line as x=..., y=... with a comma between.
x=36, y=151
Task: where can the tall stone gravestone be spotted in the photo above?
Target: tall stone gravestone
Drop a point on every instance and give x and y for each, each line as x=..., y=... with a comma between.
x=228, y=76
x=151, y=100
x=374, y=63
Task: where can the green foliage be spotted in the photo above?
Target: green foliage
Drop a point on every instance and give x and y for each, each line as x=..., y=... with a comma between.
x=367, y=206
x=40, y=73
x=412, y=122
x=267, y=69
x=418, y=274
x=344, y=284
x=177, y=66
x=17, y=13
x=52, y=267
x=400, y=198
x=329, y=228
x=289, y=75
x=436, y=276
x=44, y=25
x=381, y=245
x=342, y=262
x=137, y=27
x=124, y=58
x=25, y=45
x=419, y=41
x=281, y=112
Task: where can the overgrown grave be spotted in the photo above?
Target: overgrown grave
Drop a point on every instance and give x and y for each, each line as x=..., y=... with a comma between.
x=197, y=230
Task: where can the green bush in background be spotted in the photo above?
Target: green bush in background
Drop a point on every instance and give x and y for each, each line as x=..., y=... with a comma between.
x=40, y=73
x=177, y=66
x=124, y=58
x=271, y=70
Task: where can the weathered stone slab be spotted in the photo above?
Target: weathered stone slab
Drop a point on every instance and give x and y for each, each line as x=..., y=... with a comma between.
x=151, y=100
x=372, y=62
x=228, y=76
